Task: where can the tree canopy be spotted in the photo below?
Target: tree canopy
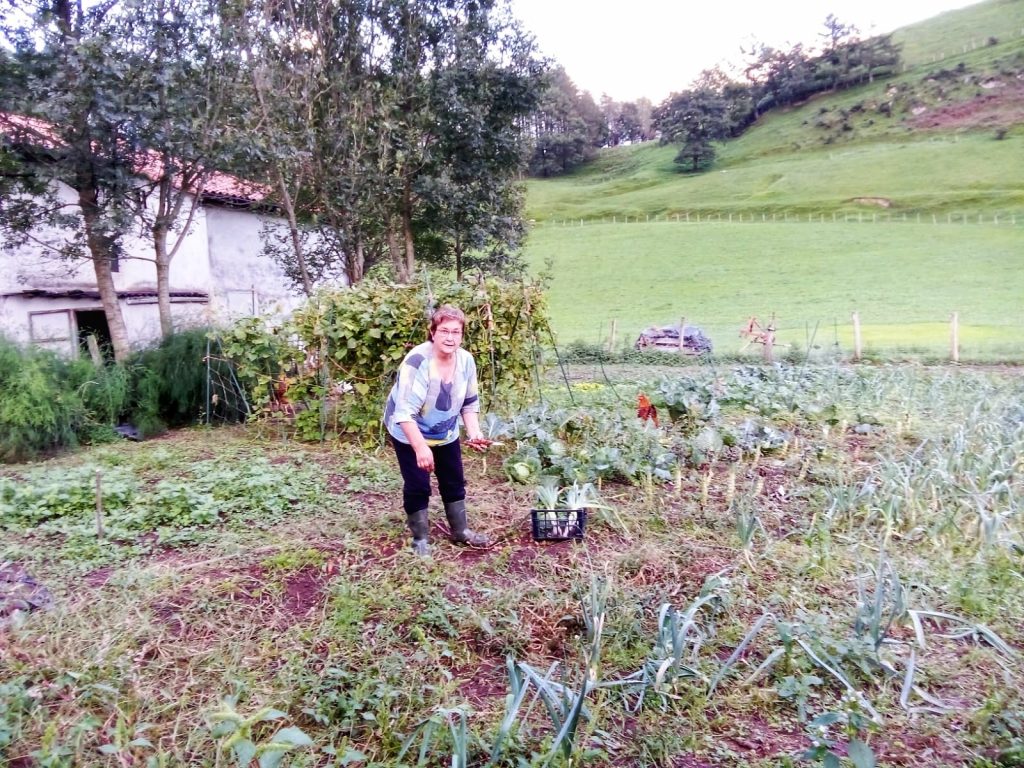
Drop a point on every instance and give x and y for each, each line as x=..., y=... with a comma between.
x=382, y=128
x=716, y=107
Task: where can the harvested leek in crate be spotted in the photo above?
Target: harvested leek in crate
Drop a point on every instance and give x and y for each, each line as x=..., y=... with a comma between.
x=561, y=513
x=558, y=524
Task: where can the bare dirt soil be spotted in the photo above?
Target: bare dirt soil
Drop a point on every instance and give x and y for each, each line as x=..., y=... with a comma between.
x=1000, y=107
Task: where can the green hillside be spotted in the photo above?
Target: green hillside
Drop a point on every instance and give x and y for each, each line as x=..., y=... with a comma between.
x=914, y=185
x=961, y=30
x=875, y=140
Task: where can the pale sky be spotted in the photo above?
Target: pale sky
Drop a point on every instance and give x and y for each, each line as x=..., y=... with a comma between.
x=654, y=47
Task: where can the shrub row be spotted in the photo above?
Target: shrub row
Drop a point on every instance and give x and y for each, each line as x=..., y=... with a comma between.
x=48, y=402
x=340, y=343
x=338, y=354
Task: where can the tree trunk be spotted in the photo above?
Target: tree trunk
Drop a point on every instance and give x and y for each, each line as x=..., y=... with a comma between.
x=356, y=262
x=286, y=199
x=163, y=280
x=410, y=245
x=458, y=259
x=168, y=211
x=293, y=229
x=99, y=249
x=397, y=257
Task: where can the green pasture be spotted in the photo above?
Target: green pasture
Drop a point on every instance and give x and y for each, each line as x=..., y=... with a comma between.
x=838, y=205
x=945, y=174
x=960, y=31
x=904, y=280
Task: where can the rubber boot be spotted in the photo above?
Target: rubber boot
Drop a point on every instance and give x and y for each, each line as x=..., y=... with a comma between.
x=461, y=534
x=420, y=532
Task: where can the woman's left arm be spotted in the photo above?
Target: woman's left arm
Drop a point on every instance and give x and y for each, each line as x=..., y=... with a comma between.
x=471, y=405
x=472, y=422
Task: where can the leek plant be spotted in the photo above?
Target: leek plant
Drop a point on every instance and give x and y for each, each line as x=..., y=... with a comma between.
x=428, y=731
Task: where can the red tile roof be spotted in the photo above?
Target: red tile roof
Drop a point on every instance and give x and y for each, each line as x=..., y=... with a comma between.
x=218, y=185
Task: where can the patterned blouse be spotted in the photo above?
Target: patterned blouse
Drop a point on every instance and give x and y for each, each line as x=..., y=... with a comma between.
x=420, y=396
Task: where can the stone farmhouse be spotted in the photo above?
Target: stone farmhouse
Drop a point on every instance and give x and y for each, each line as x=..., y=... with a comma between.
x=218, y=274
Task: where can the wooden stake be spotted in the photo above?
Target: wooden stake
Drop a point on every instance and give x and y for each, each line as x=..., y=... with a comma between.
x=611, y=336
x=954, y=337
x=856, y=336
x=99, y=507
x=682, y=331
x=94, y=350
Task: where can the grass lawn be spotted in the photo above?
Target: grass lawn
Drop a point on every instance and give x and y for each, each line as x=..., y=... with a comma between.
x=903, y=278
x=809, y=558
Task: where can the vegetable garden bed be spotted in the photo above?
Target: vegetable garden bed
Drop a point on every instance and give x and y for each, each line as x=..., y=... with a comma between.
x=804, y=562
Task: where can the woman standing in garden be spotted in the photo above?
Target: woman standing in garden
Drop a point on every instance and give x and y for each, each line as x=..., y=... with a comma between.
x=435, y=387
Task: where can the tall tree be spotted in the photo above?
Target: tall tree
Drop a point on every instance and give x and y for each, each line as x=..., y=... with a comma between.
x=694, y=119
x=73, y=116
x=567, y=128
x=471, y=186
x=191, y=78
x=385, y=124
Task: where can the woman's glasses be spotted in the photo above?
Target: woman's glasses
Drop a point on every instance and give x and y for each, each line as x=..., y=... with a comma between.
x=449, y=333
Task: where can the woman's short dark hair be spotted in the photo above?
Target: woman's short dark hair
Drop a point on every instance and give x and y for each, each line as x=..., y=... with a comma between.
x=443, y=314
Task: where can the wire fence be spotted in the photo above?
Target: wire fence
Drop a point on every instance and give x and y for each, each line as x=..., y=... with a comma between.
x=852, y=337
x=1011, y=218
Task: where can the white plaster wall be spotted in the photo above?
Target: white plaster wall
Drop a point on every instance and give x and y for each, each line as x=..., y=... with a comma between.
x=221, y=255
x=14, y=316
x=242, y=277
x=35, y=266
x=141, y=320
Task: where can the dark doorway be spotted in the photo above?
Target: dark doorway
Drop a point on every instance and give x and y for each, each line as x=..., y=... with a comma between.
x=93, y=322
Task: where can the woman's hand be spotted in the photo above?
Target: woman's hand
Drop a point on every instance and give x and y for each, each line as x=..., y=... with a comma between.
x=479, y=443
x=425, y=457
x=474, y=436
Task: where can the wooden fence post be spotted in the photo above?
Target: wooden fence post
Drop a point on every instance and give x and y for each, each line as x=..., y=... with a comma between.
x=682, y=332
x=954, y=337
x=856, y=336
x=99, y=507
x=94, y=350
x=611, y=336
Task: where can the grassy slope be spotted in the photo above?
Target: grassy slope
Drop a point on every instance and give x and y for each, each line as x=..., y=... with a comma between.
x=951, y=32
x=717, y=275
x=804, y=162
x=789, y=159
x=970, y=174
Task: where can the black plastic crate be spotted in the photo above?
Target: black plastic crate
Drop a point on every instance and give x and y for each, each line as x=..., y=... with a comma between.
x=558, y=524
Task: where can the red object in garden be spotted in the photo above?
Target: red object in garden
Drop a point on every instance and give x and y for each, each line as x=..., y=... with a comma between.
x=645, y=409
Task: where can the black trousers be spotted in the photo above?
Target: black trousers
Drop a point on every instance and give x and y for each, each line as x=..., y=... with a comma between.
x=451, y=481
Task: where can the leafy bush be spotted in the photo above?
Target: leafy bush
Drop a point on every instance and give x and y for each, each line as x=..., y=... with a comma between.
x=104, y=393
x=37, y=412
x=341, y=350
x=50, y=402
x=172, y=380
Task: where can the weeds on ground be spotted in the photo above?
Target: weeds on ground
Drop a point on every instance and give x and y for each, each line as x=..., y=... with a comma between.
x=840, y=568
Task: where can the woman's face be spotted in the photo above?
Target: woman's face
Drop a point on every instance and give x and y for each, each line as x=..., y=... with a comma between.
x=448, y=336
